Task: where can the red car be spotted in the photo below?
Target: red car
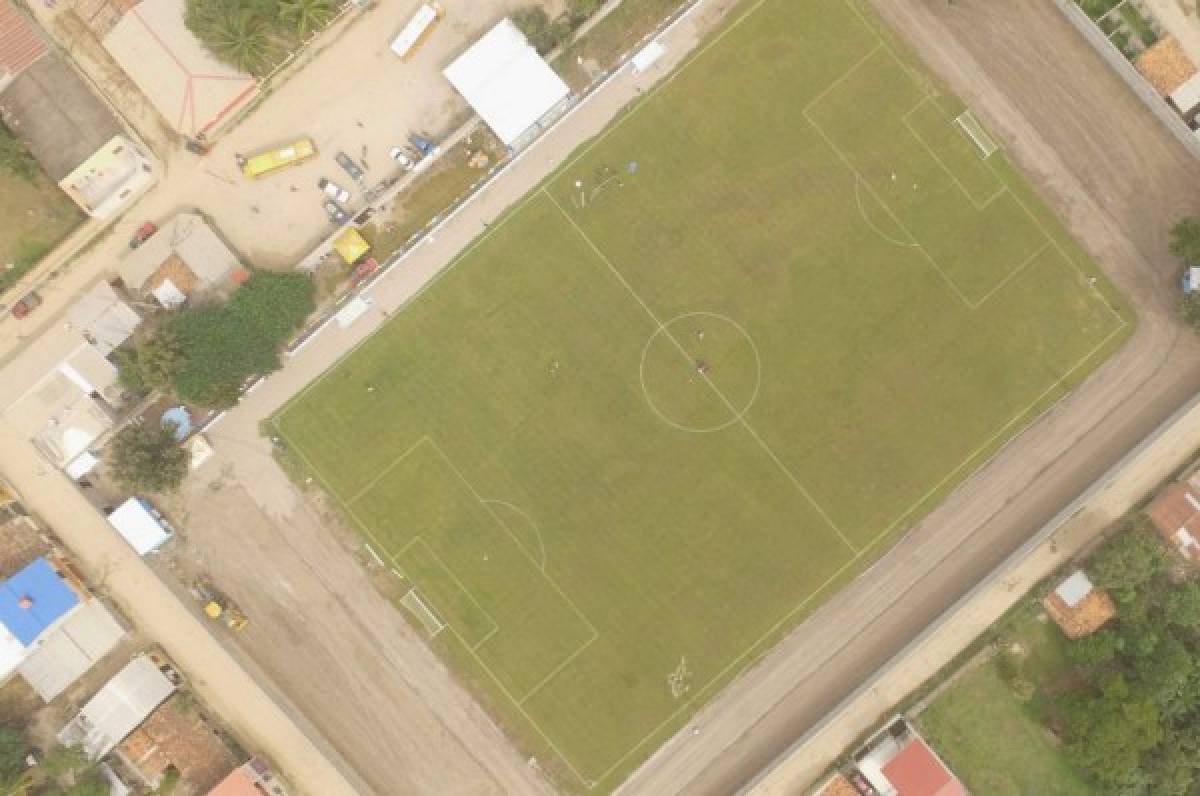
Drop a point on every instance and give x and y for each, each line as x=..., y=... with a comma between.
x=143, y=234
x=28, y=303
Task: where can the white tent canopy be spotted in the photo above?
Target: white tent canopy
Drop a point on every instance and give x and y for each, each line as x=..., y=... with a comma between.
x=135, y=521
x=506, y=82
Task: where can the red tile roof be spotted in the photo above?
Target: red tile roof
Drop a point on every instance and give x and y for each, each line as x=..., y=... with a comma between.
x=916, y=771
x=20, y=43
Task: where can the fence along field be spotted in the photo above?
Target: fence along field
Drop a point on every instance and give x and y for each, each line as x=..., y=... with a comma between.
x=738, y=344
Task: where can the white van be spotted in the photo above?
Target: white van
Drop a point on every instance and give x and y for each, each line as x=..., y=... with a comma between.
x=414, y=33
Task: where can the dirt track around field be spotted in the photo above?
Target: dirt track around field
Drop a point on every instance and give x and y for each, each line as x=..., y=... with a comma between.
x=1119, y=180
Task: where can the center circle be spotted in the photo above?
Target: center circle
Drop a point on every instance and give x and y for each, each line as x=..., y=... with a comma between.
x=700, y=372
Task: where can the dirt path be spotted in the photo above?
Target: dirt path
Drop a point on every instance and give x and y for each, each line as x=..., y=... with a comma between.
x=122, y=575
x=1141, y=472
x=1119, y=180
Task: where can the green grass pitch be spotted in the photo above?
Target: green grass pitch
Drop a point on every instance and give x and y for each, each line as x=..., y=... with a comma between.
x=735, y=347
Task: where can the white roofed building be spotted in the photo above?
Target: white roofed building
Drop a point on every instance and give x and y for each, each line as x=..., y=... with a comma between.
x=508, y=84
x=140, y=525
x=61, y=391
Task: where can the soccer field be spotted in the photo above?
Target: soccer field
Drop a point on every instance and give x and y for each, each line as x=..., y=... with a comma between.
x=735, y=347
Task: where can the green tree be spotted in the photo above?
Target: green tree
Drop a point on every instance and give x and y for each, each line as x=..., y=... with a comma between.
x=226, y=345
x=1111, y=735
x=1127, y=562
x=240, y=38
x=1096, y=650
x=160, y=358
x=306, y=16
x=1185, y=240
x=1181, y=605
x=145, y=458
x=14, y=157
x=542, y=32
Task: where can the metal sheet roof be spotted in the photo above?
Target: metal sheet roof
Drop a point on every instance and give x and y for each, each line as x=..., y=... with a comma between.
x=118, y=708
x=34, y=599
x=508, y=84
x=87, y=636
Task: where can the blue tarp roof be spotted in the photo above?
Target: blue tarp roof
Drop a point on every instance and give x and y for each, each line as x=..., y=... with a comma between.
x=49, y=599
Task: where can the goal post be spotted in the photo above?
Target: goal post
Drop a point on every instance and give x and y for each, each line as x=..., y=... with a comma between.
x=974, y=130
x=424, y=614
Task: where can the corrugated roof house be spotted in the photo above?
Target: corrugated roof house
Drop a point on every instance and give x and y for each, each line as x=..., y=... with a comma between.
x=118, y=708
x=184, y=256
x=1175, y=513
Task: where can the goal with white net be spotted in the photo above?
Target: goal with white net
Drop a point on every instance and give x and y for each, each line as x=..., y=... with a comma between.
x=974, y=130
x=424, y=614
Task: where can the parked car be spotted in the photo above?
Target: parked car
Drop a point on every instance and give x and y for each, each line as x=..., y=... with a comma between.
x=336, y=212
x=26, y=304
x=349, y=166
x=143, y=234
x=423, y=145
x=403, y=158
x=334, y=191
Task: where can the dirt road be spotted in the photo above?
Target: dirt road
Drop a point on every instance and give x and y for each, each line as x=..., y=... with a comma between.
x=1060, y=542
x=124, y=577
x=1119, y=180
x=271, y=222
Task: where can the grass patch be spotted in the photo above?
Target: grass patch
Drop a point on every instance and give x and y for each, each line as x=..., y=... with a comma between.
x=38, y=215
x=699, y=380
x=611, y=37
x=432, y=193
x=994, y=743
x=1097, y=8
x=1138, y=24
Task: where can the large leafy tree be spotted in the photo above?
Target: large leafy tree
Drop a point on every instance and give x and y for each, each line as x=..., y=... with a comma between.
x=225, y=345
x=145, y=458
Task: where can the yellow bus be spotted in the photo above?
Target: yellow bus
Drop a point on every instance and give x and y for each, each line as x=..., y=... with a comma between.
x=273, y=160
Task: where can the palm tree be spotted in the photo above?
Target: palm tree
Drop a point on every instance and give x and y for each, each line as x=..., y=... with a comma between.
x=306, y=16
x=240, y=38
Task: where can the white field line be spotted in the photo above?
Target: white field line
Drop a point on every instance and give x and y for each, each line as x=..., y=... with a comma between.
x=554, y=672
x=537, y=531
x=716, y=390
x=457, y=582
x=1012, y=274
x=496, y=518
x=739, y=660
x=980, y=206
x=383, y=473
x=866, y=218
x=972, y=304
x=1083, y=275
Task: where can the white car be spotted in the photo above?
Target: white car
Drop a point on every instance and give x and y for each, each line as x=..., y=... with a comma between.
x=334, y=191
x=403, y=158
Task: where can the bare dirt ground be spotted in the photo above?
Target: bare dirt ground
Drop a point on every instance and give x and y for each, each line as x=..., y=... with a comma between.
x=350, y=93
x=1119, y=180
x=339, y=652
